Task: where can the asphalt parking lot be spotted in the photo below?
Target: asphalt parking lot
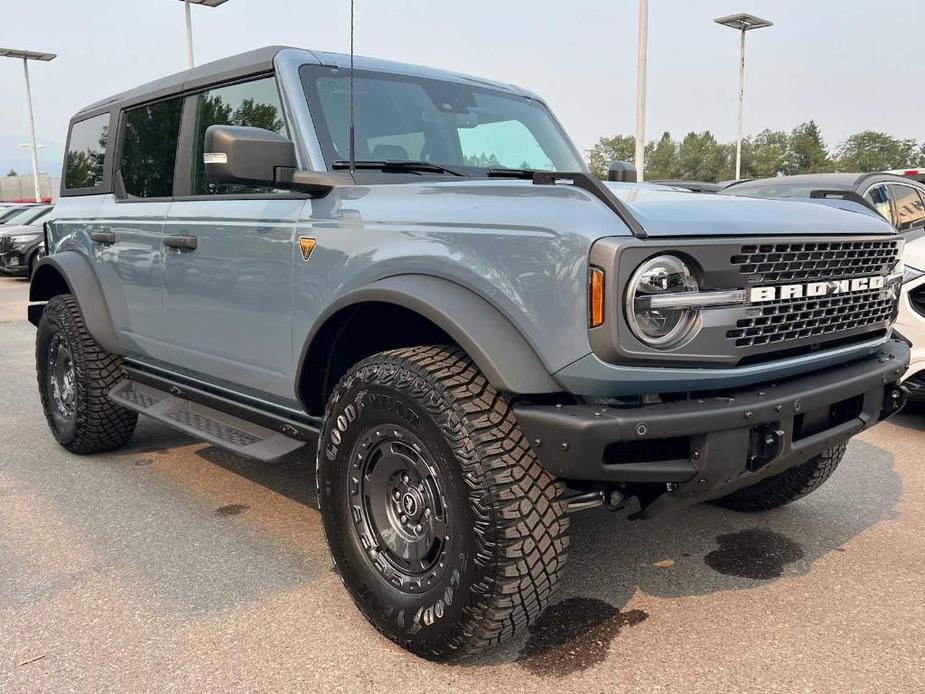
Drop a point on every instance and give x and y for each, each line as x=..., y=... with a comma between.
x=172, y=566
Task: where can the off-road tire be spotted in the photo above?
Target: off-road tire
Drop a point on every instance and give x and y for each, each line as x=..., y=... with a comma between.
x=786, y=487
x=94, y=423
x=507, y=527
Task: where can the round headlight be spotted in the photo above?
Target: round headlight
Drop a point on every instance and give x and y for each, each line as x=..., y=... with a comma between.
x=658, y=325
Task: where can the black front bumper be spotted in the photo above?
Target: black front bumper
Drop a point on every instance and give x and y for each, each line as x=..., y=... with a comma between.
x=14, y=263
x=708, y=447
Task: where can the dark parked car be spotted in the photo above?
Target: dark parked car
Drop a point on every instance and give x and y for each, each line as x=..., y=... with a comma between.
x=900, y=200
x=9, y=213
x=22, y=245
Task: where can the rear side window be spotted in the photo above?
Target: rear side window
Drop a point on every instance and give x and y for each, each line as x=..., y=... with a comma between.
x=254, y=104
x=879, y=197
x=86, y=151
x=910, y=211
x=149, y=149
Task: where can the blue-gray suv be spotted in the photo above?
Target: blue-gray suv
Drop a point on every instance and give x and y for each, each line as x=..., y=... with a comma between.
x=412, y=276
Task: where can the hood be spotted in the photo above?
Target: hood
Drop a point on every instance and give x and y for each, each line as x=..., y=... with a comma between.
x=668, y=213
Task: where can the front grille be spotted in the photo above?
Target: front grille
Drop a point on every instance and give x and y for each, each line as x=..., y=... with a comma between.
x=796, y=319
x=817, y=261
x=6, y=244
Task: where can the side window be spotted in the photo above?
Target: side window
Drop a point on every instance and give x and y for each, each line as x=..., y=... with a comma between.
x=86, y=151
x=879, y=197
x=504, y=143
x=255, y=104
x=149, y=149
x=910, y=211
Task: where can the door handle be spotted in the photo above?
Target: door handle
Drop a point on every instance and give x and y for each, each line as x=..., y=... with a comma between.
x=181, y=243
x=103, y=236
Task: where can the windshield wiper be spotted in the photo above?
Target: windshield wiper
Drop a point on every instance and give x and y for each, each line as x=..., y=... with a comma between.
x=500, y=172
x=399, y=167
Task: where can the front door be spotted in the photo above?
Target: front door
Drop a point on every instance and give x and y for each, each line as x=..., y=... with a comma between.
x=228, y=259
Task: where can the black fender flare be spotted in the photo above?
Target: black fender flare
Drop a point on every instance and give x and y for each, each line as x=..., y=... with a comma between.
x=496, y=346
x=70, y=272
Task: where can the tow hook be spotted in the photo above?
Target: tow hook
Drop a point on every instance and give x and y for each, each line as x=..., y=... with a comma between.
x=612, y=500
x=767, y=442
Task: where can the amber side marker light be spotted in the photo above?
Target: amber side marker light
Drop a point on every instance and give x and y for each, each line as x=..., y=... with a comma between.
x=596, y=297
x=307, y=244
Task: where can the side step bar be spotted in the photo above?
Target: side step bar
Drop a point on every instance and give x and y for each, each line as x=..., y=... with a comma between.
x=216, y=427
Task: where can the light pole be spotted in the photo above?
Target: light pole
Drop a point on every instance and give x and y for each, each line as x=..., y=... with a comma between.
x=189, y=24
x=741, y=23
x=640, y=156
x=26, y=56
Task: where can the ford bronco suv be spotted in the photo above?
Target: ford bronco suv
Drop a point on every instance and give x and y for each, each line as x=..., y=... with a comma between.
x=411, y=276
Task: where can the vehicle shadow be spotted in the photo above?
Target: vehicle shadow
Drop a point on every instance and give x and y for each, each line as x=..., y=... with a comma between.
x=701, y=550
x=911, y=417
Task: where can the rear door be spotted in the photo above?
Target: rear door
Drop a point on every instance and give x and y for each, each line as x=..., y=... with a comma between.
x=128, y=232
x=228, y=299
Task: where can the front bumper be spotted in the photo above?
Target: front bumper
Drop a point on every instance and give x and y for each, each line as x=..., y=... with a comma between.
x=14, y=262
x=708, y=447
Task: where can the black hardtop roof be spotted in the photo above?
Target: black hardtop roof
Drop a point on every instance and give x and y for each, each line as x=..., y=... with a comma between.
x=241, y=65
x=261, y=60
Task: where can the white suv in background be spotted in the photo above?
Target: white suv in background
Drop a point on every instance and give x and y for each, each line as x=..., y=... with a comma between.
x=911, y=322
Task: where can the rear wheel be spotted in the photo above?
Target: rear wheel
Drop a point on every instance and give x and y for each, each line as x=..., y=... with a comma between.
x=447, y=533
x=786, y=487
x=75, y=376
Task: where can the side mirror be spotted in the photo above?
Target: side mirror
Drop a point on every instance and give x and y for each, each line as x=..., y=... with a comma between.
x=622, y=171
x=259, y=157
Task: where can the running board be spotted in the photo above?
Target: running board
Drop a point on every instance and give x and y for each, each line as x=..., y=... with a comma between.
x=216, y=427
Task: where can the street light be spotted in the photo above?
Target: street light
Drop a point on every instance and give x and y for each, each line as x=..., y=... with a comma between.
x=26, y=56
x=640, y=157
x=741, y=23
x=189, y=24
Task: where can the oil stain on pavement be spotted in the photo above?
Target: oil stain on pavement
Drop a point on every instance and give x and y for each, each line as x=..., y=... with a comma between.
x=574, y=635
x=756, y=553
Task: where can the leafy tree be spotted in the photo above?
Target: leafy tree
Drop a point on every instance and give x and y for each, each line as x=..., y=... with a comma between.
x=768, y=155
x=11, y=172
x=608, y=150
x=808, y=152
x=662, y=159
x=875, y=151
x=702, y=158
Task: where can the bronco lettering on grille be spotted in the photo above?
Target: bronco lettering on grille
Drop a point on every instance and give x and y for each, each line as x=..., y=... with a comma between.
x=815, y=289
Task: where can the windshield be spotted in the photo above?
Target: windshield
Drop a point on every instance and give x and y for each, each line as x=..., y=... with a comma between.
x=28, y=216
x=465, y=127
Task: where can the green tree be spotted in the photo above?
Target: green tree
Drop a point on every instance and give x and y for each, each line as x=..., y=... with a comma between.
x=11, y=172
x=610, y=149
x=662, y=159
x=769, y=154
x=808, y=152
x=875, y=151
x=702, y=158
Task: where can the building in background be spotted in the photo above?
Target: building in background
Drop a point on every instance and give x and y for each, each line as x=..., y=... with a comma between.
x=21, y=189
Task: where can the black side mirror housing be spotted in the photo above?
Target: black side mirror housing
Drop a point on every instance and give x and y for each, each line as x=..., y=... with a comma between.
x=259, y=157
x=622, y=171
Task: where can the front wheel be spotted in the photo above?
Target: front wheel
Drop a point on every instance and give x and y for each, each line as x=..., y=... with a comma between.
x=75, y=375
x=446, y=531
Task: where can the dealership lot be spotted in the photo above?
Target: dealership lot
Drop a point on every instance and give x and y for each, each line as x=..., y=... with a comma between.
x=172, y=566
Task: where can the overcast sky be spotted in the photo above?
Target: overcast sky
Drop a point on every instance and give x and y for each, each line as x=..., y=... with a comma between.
x=850, y=64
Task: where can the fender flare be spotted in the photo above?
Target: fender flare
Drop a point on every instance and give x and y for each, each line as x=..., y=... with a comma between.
x=79, y=280
x=495, y=345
